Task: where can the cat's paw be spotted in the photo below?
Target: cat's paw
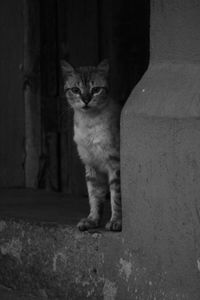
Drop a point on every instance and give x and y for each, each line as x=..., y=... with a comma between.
x=114, y=225
x=86, y=223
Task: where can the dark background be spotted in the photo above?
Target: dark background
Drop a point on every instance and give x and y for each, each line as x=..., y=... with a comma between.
x=36, y=125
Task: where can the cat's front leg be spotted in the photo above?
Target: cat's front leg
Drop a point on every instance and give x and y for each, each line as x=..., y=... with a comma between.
x=97, y=189
x=115, y=223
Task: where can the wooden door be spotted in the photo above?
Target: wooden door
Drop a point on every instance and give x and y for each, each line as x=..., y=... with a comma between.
x=12, y=117
x=37, y=148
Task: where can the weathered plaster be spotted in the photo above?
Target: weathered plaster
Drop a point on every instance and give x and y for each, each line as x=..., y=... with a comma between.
x=12, y=248
x=2, y=225
x=125, y=268
x=109, y=290
x=57, y=261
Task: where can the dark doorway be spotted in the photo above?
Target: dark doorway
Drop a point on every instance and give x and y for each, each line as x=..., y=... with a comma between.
x=37, y=149
x=84, y=32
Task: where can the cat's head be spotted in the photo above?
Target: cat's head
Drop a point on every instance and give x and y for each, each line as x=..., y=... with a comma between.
x=86, y=88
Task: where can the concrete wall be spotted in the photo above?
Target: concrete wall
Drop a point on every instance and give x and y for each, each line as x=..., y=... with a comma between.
x=175, y=32
x=160, y=154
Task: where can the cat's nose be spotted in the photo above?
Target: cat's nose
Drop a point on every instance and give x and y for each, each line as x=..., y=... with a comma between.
x=86, y=98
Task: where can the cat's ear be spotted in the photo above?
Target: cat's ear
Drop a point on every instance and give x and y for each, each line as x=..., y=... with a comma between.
x=66, y=68
x=104, y=66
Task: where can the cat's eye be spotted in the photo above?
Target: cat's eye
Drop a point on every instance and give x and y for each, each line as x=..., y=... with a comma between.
x=75, y=90
x=96, y=90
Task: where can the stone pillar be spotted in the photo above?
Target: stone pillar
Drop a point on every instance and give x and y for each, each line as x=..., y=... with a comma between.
x=160, y=155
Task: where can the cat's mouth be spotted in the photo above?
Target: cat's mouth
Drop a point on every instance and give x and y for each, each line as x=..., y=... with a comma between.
x=86, y=107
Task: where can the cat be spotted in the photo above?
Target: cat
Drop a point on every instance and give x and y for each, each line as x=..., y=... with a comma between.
x=96, y=134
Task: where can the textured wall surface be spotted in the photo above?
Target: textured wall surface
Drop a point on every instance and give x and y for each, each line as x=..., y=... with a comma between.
x=175, y=34
x=160, y=132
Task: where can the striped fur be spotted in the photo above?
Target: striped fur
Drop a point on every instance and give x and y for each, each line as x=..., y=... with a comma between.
x=96, y=133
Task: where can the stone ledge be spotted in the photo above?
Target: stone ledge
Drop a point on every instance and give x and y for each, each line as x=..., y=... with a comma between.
x=44, y=257
x=56, y=262
x=9, y=294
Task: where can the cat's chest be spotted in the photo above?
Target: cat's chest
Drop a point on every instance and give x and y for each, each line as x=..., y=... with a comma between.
x=93, y=136
x=92, y=142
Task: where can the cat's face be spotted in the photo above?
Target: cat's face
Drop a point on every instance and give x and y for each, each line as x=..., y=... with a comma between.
x=86, y=88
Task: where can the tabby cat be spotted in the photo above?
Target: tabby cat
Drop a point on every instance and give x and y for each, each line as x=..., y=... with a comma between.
x=96, y=133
